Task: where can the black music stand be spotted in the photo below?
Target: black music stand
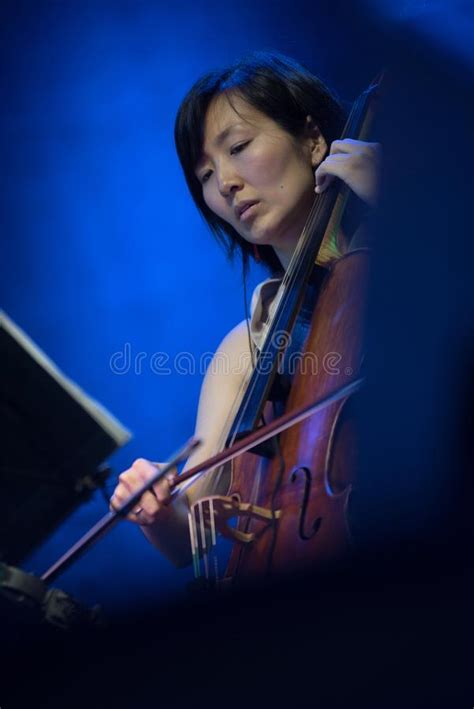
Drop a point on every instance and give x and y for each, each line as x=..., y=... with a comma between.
x=53, y=444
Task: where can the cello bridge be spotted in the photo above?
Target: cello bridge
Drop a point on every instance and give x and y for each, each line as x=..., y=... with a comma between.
x=225, y=508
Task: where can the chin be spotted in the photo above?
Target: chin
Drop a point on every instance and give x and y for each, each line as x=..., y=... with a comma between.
x=264, y=237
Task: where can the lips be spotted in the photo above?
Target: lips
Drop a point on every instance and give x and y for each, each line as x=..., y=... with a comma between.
x=241, y=208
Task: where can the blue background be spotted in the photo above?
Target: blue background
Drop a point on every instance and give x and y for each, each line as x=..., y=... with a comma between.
x=102, y=247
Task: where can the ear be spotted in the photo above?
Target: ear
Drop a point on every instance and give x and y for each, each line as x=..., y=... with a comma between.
x=316, y=143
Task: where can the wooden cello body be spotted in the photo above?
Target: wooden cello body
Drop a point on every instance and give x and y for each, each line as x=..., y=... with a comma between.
x=306, y=484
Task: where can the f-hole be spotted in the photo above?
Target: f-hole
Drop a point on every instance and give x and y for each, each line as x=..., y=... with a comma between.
x=304, y=505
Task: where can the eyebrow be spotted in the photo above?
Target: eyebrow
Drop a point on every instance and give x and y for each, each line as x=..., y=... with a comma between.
x=219, y=140
x=223, y=134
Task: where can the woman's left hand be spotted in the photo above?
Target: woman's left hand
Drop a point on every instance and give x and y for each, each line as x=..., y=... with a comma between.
x=356, y=163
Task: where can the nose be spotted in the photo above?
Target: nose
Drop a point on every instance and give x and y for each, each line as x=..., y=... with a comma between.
x=228, y=181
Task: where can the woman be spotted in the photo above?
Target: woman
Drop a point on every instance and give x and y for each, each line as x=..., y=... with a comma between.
x=255, y=141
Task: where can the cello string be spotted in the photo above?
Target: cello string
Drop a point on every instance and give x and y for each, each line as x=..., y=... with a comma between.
x=213, y=539
x=193, y=546
x=196, y=541
x=203, y=540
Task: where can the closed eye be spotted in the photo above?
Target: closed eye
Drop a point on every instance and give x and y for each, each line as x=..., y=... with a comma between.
x=204, y=178
x=234, y=150
x=239, y=147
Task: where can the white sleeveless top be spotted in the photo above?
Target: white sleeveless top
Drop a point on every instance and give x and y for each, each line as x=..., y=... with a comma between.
x=262, y=307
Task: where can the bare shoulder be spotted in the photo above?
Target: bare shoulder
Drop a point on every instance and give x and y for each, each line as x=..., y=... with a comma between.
x=233, y=351
x=221, y=390
x=228, y=367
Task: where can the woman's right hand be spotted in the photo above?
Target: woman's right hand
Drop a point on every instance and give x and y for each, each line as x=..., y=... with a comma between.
x=152, y=505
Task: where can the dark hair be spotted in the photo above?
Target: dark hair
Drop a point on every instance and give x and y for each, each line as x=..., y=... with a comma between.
x=278, y=87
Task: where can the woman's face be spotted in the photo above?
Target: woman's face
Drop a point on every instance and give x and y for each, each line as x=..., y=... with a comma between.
x=256, y=176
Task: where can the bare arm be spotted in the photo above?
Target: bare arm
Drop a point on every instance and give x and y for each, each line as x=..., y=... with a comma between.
x=164, y=520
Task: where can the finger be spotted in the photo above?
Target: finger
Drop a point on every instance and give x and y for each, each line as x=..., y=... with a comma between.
x=144, y=511
x=138, y=475
x=129, y=482
x=148, y=501
x=119, y=496
x=162, y=491
x=138, y=517
x=346, y=146
x=172, y=474
x=349, y=146
x=149, y=504
x=123, y=490
x=323, y=183
x=333, y=165
x=330, y=168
